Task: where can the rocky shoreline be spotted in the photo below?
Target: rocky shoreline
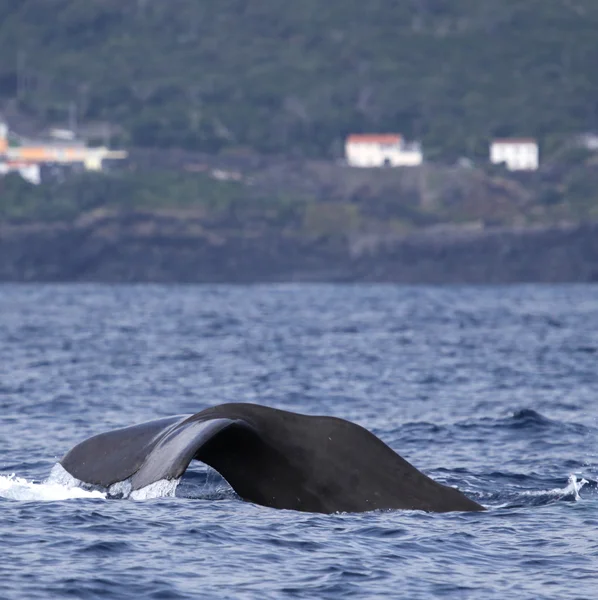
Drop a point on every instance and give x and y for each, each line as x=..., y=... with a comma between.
x=180, y=248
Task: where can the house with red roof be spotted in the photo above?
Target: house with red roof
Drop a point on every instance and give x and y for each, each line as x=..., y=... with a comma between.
x=381, y=150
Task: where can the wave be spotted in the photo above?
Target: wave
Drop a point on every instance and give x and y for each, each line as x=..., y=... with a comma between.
x=526, y=417
x=521, y=419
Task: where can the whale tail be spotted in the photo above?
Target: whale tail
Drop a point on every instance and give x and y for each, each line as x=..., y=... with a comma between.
x=271, y=457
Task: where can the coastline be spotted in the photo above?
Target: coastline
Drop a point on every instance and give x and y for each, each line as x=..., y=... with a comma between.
x=173, y=247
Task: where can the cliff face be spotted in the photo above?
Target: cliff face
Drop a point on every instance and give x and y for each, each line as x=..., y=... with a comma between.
x=153, y=247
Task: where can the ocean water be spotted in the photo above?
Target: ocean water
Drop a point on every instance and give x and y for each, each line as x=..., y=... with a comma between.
x=491, y=389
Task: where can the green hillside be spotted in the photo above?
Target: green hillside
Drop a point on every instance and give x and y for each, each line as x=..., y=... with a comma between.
x=296, y=77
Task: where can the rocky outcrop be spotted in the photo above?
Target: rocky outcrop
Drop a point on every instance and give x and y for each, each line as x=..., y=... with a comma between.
x=176, y=247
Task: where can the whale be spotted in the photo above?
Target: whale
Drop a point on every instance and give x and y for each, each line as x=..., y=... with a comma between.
x=270, y=457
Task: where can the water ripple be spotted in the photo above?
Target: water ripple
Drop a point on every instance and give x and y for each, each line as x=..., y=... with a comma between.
x=489, y=389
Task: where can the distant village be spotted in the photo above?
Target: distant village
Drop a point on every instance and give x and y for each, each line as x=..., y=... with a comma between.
x=60, y=149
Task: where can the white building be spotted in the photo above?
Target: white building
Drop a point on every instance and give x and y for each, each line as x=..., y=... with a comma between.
x=379, y=150
x=589, y=141
x=21, y=151
x=30, y=173
x=518, y=154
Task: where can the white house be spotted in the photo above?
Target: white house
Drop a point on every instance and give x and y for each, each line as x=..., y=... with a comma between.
x=518, y=154
x=379, y=150
x=30, y=173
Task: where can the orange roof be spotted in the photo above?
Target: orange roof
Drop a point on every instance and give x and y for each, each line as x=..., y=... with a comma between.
x=514, y=141
x=374, y=138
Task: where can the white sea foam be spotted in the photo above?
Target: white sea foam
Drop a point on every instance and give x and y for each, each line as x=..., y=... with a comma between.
x=17, y=488
x=120, y=489
x=61, y=485
x=572, y=488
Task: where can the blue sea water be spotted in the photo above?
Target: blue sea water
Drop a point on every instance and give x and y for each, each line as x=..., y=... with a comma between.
x=491, y=389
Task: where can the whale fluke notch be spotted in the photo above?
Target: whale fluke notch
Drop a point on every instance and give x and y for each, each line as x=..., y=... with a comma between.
x=271, y=457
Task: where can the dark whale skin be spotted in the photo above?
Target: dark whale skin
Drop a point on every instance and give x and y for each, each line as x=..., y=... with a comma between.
x=271, y=457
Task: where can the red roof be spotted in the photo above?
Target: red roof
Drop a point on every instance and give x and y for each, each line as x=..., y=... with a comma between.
x=374, y=138
x=514, y=141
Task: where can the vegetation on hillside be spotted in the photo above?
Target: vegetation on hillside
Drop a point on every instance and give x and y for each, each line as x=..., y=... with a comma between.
x=322, y=198
x=77, y=194
x=295, y=78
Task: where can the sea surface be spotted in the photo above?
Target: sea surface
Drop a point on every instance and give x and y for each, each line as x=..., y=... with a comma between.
x=490, y=389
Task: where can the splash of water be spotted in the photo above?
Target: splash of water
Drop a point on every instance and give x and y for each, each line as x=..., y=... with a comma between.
x=17, y=488
x=165, y=488
x=572, y=488
x=61, y=485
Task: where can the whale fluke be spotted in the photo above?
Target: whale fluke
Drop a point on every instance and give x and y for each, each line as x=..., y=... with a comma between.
x=271, y=457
